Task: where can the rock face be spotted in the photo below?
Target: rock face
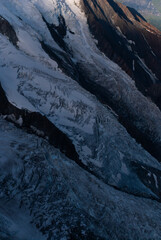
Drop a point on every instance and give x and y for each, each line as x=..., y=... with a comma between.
x=82, y=159
x=143, y=5
x=150, y=9
x=7, y=30
x=126, y=38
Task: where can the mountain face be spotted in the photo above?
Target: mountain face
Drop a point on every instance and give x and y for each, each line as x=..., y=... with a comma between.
x=143, y=5
x=127, y=39
x=151, y=9
x=80, y=99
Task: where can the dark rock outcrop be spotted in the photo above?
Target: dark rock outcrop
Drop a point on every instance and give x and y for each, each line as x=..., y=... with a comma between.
x=7, y=30
x=58, y=32
x=63, y=60
x=35, y=123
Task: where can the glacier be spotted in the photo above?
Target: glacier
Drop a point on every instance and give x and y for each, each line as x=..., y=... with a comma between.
x=119, y=186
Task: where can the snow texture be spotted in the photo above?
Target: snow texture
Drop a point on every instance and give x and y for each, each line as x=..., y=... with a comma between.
x=40, y=186
x=33, y=81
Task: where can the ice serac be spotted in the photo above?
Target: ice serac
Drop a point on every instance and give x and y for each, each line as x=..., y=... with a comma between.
x=57, y=83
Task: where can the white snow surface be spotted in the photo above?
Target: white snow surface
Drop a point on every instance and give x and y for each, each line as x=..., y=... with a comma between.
x=39, y=187
x=33, y=81
x=15, y=222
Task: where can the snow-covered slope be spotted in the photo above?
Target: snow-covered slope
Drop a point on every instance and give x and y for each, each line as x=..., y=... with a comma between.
x=33, y=81
x=43, y=70
x=40, y=185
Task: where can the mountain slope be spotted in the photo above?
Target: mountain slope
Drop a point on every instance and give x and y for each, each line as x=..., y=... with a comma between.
x=151, y=9
x=43, y=187
x=57, y=84
x=126, y=38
